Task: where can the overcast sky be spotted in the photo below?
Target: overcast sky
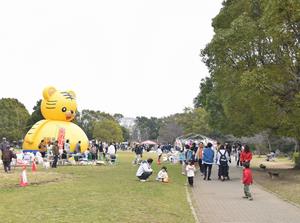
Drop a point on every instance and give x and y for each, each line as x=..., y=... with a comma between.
x=135, y=57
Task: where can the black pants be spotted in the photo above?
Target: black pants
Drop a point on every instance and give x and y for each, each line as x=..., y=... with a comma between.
x=145, y=175
x=6, y=165
x=43, y=154
x=207, y=170
x=191, y=181
x=223, y=170
x=94, y=156
x=55, y=161
x=200, y=165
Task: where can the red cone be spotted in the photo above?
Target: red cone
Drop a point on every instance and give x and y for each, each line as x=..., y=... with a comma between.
x=33, y=167
x=23, y=177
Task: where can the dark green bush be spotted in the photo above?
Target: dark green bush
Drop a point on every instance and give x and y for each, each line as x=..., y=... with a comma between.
x=296, y=158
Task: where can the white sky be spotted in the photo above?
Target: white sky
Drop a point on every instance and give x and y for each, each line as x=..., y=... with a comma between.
x=135, y=57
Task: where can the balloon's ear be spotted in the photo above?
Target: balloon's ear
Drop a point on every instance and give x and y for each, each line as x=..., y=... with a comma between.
x=72, y=93
x=48, y=92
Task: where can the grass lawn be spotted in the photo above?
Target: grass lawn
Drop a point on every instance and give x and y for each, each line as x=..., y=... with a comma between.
x=287, y=185
x=94, y=194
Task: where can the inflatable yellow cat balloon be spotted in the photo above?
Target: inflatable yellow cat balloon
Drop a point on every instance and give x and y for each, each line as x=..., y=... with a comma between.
x=58, y=109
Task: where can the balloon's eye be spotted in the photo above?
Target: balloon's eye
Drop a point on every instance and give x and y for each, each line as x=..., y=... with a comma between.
x=64, y=109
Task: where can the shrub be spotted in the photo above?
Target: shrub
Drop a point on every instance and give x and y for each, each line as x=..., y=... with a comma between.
x=296, y=158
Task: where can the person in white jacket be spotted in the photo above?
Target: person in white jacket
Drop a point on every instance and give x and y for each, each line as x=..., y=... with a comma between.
x=190, y=172
x=144, y=171
x=111, y=149
x=111, y=152
x=222, y=158
x=162, y=175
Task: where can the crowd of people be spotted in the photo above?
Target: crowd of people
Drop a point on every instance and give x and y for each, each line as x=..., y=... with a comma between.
x=191, y=155
x=97, y=150
x=50, y=152
x=204, y=156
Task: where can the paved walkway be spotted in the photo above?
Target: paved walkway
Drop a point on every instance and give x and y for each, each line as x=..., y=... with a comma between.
x=219, y=202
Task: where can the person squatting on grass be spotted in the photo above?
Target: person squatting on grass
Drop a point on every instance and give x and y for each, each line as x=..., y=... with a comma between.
x=162, y=175
x=247, y=180
x=144, y=171
x=190, y=172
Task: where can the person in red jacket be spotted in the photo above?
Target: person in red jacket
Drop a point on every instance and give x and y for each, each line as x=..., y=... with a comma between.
x=247, y=180
x=246, y=155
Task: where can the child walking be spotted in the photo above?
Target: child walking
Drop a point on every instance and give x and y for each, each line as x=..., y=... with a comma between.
x=247, y=180
x=159, y=153
x=190, y=172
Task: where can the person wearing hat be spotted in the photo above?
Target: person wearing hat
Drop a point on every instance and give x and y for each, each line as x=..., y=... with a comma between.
x=4, y=144
x=7, y=156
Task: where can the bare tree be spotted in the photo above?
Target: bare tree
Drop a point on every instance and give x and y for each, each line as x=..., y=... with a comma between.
x=169, y=132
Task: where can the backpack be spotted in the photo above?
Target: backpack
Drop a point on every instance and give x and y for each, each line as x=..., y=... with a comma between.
x=223, y=159
x=189, y=155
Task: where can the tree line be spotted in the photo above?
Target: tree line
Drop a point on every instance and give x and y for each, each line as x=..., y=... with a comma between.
x=253, y=61
x=16, y=121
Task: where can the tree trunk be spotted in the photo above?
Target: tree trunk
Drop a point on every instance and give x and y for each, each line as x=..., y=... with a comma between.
x=296, y=148
x=269, y=143
x=258, y=150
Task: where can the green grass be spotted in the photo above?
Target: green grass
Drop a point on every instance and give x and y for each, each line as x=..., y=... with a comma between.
x=286, y=186
x=279, y=163
x=94, y=194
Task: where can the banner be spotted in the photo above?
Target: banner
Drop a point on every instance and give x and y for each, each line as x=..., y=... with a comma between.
x=61, y=138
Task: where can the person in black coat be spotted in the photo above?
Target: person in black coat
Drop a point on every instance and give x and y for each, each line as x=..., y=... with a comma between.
x=7, y=156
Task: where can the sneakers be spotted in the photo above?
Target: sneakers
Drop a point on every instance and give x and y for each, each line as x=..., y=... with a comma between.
x=142, y=180
x=249, y=198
